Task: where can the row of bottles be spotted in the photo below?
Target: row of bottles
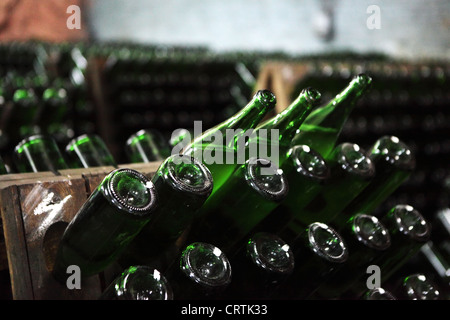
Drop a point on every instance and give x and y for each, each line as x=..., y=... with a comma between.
x=305, y=220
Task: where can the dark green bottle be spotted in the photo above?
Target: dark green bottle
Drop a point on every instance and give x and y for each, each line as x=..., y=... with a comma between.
x=146, y=146
x=319, y=252
x=182, y=188
x=322, y=127
x=87, y=151
x=22, y=118
x=307, y=172
x=418, y=287
x=367, y=239
x=409, y=231
x=249, y=195
x=219, y=147
x=115, y=212
x=286, y=124
x=394, y=162
x=139, y=283
x=350, y=172
x=52, y=112
x=202, y=273
x=3, y=167
x=38, y=153
x=260, y=266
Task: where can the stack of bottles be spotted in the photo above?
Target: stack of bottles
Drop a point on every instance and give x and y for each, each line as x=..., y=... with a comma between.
x=218, y=220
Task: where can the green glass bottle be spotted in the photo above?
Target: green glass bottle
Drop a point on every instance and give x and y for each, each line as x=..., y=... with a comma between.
x=38, y=153
x=409, y=231
x=394, y=162
x=22, y=118
x=319, y=252
x=112, y=216
x=260, y=266
x=286, y=124
x=146, y=146
x=203, y=272
x=87, y=151
x=307, y=172
x=367, y=239
x=3, y=167
x=419, y=287
x=249, y=195
x=52, y=112
x=218, y=148
x=183, y=187
x=350, y=172
x=138, y=283
x=322, y=127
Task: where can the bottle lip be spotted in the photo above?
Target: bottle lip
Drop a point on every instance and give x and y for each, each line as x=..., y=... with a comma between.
x=137, y=134
x=276, y=191
x=311, y=95
x=362, y=79
x=312, y=166
x=171, y=176
x=353, y=159
x=341, y=254
x=393, y=151
x=379, y=294
x=108, y=189
x=189, y=268
x=418, y=287
x=136, y=275
x=33, y=138
x=256, y=250
x=85, y=136
x=380, y=242
x=410, y=222
x=266, y=98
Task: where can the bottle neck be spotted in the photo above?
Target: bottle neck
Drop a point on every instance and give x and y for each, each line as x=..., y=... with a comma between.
x=250, y=116
x=290, y=119
x=336, y=112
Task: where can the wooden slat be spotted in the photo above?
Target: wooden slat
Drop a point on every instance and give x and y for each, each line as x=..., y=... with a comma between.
x=21, y=284
x=45, y=205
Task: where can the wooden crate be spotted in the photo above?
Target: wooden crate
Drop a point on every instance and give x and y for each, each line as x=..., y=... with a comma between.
x=35, y=209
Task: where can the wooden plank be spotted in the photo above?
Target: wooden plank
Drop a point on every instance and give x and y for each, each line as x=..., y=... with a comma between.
x=47, y=208
x=16, y=249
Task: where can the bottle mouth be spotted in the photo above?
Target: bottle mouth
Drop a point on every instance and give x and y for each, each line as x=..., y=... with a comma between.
x=143, y=283
x=206, y=265
x=266, y=178
x=130, y=190
x=394, y=152
x=327, y=243
x=270, y=253
x=309, y=163
x=84, y=139
x=371, y=232
x=379, y=294
x=353, y=159
x=34, y=139
x=363, y=79
x=266, y=98
x=418, y=287
x=187, y=174
x=312, y=95
x=410, y=222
